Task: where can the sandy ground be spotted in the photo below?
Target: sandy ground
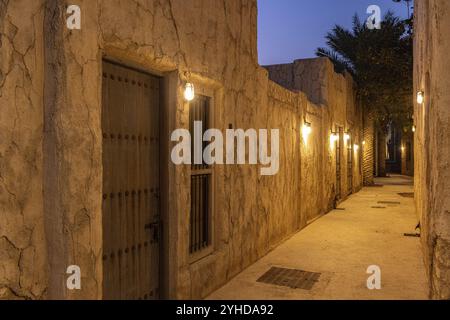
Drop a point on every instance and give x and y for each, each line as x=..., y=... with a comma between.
x=341, y=246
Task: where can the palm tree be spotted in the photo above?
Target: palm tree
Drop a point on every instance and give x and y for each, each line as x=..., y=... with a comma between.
x=408, y=5
x=380, y=61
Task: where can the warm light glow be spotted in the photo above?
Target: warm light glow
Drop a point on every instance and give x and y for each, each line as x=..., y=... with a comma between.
x=420, y=97
x=306, y=131
x=364, y=143
x=356, y=147
x=403, y=148
x=333, y=138
x=413, y=128
x=347, y=137
x=189, y=92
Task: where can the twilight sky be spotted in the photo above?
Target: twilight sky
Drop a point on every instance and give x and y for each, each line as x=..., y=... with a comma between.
x=293, y=29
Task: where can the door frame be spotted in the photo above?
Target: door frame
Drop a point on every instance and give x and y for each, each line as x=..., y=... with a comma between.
x=163, y=177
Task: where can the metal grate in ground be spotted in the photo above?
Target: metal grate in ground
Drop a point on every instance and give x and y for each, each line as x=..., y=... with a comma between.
x=413, y=235
x=389, y=202
x=292, y=278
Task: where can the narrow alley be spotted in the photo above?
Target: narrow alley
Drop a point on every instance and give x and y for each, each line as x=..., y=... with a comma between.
x=369, y=226
x=205, y=151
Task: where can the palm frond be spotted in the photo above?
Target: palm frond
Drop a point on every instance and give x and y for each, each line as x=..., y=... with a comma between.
x=340, y=64
x=380, y=61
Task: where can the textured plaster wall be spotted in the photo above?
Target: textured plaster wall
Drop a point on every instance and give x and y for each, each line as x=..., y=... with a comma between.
x=72, y=149
x=23, y=272
x=432, y=139
x=50, y=147
x=332, y=103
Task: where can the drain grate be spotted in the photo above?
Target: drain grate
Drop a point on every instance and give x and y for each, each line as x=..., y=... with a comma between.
x=413, y=235
x=389, y=202
x=407, y=194
x=292, y=278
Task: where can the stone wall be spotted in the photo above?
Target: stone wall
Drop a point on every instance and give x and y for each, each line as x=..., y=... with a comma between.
x=51, y=139
x=432, y=139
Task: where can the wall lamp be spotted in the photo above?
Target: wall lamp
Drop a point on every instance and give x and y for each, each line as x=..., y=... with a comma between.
x=347, y=137
x=189, y=92
x=333, y=138
x=420, y=97
x=413, y=129
x=306, y=131
x=356, y=147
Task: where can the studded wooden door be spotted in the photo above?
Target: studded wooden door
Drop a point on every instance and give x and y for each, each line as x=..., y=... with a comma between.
x=131, y=221
x=338, y=163
x=350, y=165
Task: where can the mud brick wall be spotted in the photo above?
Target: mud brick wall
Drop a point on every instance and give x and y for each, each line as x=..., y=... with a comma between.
x=51, y=139
x=432, y=139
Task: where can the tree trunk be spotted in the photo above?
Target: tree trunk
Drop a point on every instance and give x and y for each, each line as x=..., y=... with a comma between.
x=381, y=154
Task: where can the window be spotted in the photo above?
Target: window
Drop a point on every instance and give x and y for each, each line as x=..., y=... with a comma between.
x=201, y=183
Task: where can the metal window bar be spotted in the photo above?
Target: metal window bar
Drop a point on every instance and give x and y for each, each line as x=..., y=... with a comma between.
x=200, y=213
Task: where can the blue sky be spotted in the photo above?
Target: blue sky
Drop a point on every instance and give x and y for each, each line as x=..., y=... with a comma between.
x=293, y=29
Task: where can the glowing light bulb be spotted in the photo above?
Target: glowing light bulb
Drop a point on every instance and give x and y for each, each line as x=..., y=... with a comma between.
x=347, y=137
x=306, y=131
x=356, y=147
x=333, y=138
x=420, y=97
x=413, y=129
x=189, y=92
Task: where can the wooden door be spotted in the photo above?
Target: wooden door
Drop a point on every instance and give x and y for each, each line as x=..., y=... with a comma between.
x=131, y=215
x=350, y=165
x=338, y=163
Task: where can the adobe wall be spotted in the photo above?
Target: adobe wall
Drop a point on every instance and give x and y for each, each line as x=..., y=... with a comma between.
x=51, y=140
x=432, y=139
x=23, y=269
x=335, y=95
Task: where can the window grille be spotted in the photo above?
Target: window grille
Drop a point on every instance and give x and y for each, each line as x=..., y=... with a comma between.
x=201, y=182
